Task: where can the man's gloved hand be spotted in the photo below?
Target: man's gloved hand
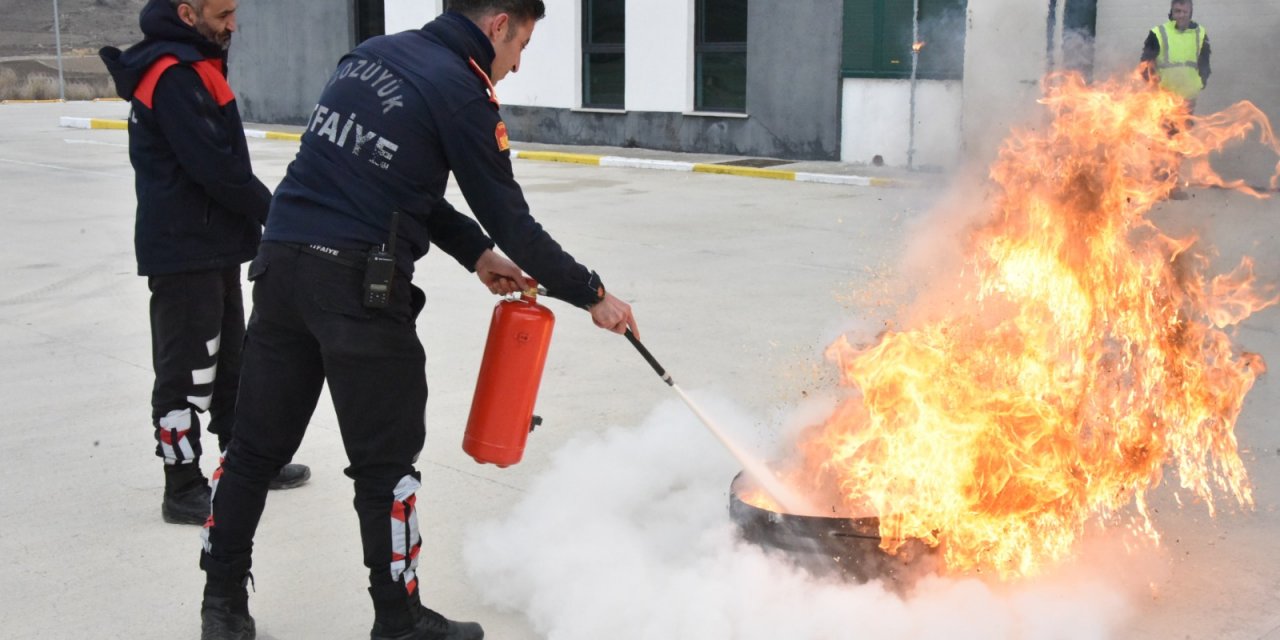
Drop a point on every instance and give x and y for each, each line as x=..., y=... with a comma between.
x=499, y=274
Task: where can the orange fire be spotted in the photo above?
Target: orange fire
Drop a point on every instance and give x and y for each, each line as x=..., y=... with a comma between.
x=1090, y=353
x=917, y=46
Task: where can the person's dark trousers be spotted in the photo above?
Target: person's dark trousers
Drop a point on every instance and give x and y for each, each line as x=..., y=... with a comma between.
x=308, y=326
x=197, y=327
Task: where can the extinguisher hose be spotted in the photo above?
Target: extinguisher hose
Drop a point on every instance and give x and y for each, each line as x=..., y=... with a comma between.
x=653, y=362
x=765, y=478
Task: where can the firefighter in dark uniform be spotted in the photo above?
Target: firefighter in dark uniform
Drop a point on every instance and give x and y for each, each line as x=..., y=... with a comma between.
x=399, y=114
x=199, y=217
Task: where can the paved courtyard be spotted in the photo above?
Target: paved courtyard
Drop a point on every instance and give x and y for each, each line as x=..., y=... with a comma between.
x=615, y=524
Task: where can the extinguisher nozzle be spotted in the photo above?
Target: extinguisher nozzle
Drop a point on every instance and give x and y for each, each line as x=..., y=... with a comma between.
x=653, y=362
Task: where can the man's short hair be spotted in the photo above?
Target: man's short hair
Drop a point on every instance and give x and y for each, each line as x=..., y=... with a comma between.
x=521, y=10
x=1186, y=2
x=198, y=5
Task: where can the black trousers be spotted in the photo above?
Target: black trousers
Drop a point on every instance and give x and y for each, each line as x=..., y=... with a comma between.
x=197, y=327
x=308, y=326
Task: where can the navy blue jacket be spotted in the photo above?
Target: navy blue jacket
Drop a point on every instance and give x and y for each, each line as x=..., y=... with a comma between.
x=398, y=115
x=199, y=205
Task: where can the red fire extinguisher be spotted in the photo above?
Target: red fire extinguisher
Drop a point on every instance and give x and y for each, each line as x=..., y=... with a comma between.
x=502, y=408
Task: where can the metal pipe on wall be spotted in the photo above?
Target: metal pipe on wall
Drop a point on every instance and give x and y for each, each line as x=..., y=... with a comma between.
x=915, y=60
x=1051, y=25
x=57, y=39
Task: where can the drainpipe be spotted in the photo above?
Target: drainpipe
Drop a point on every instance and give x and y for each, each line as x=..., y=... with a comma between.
x=57, y=38
x=915, y=60
x=1050, y=26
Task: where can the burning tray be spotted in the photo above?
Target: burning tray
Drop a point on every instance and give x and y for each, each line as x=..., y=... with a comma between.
x=846, y=548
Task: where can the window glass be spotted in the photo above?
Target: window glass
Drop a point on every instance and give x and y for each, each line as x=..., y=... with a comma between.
x=722, y=82
x=606, y=20
x=878, y=35
x=720, y=56
x=724, y=21
x=859, y=36
x=604, y=36
x=370, y=20
x=605, y=80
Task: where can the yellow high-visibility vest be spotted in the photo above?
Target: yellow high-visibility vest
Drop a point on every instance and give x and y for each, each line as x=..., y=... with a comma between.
x=1177, y=63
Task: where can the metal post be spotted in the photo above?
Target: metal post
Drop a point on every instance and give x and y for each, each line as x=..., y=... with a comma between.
x=915, y=60
x=1051, y=25
x=57, y=38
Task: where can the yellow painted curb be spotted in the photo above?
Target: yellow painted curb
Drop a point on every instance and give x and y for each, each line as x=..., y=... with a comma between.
x=555, y=156
x=49, y=101
x=586, y=159
x=752, y=172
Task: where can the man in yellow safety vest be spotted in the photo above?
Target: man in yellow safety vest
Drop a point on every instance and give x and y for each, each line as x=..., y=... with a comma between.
x=1176, y=54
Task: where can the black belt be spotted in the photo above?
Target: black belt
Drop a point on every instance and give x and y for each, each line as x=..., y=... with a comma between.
x=346, y=257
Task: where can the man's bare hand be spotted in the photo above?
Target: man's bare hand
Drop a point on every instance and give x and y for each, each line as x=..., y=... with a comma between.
x=614, y=315
x=499, y=274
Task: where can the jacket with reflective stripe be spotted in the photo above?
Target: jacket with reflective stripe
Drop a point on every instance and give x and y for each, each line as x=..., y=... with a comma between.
x=1178, y=60
x=200, y=207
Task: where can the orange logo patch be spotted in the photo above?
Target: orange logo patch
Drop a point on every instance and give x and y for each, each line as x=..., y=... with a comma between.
x=501, y=134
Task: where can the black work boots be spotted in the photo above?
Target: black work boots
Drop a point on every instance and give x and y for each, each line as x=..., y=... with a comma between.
x=224, y=613
x=291, y=475
x=186, y=491
x=398, y=614
x=425, y=625
x=186, y=494
x=226, y=618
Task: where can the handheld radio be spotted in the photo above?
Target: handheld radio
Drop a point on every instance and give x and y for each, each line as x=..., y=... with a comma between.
x=380, y=269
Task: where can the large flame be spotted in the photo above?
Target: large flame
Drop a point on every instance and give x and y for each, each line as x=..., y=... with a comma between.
x=1089, y=354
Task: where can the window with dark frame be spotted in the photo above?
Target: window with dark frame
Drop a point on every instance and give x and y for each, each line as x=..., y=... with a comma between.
x=878, y=39
x=604, y=39
x=720, y=56
x=370, y=19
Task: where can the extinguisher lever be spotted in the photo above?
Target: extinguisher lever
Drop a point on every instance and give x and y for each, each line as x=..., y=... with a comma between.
x=653, y=362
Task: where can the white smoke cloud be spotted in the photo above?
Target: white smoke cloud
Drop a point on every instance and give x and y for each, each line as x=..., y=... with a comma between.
x=627, y=536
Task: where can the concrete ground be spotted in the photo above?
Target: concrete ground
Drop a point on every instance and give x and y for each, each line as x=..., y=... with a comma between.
x=737, y=283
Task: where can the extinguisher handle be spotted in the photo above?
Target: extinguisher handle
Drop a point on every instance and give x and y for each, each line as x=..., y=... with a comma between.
x=653, y=362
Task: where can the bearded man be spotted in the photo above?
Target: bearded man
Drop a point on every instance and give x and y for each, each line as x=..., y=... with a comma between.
x=199, y=217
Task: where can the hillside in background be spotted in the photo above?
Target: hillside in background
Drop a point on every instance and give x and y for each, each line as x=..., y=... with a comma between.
x=26, y=26
x=28, y=49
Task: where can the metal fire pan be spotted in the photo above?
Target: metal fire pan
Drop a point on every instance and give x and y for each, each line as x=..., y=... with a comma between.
x=827, y=546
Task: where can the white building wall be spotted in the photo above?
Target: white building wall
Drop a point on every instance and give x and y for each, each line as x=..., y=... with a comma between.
x=660, y=55
x=875, y=121
x=1005, y=59
x=1004, y=62
x=550, y=74
x=960, y=121
x=402, y=15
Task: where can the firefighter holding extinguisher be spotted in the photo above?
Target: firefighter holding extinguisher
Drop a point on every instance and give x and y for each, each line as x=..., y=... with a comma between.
x=333, y=302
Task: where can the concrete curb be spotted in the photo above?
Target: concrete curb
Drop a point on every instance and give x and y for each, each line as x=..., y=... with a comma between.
x=703, y=167
x=57, y=101
x=582, y=158
x=91, y=123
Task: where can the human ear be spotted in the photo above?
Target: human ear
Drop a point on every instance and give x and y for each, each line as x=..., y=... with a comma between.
x=500, y=23
x=187, y=14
